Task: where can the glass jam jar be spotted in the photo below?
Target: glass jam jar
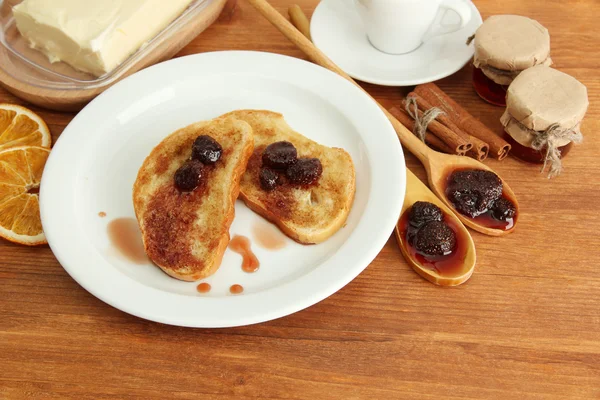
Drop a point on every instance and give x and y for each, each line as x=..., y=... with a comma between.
x=528, y=154
x=505, y=45
x=544, y=110
x=489, y=90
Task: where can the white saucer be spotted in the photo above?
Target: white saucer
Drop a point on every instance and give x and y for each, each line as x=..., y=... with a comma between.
x=337, y=30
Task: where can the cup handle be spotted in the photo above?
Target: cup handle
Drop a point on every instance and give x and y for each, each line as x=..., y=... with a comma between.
x=437, y=28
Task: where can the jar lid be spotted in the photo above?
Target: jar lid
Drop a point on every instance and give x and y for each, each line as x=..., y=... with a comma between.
x=542, y=96
x=511, y=43
x=544, y=109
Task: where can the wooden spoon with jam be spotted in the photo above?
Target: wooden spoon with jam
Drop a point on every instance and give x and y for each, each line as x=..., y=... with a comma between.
x=440, y=168
x=437, y=165
x=449, y=269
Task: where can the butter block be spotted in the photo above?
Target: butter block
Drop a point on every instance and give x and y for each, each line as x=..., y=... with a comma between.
x=93, y=36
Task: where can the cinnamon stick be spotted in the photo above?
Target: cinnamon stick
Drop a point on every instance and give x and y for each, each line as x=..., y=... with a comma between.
x=498, y=147
x=479, y=153
x=430, y=138
x=480, y=148
x=452, y=140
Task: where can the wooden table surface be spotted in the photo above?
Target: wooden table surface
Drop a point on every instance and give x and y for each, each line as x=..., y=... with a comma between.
x=526, y=326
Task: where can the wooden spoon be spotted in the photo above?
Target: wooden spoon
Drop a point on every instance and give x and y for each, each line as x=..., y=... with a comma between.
x=437, y=165
x=417, y=191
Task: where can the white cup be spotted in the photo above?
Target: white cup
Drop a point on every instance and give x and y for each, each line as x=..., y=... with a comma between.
x=400, y=26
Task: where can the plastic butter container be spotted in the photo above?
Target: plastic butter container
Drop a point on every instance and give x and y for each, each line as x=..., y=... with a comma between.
x=28, y=73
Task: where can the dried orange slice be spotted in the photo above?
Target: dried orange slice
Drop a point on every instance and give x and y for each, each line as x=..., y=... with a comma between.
x=19, y=126
x=20, y=174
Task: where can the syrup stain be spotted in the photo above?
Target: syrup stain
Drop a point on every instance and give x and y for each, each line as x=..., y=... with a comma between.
x=241, y=245
x=236, y=289
x=125, y=236
x=203, y=287
x=268, y=236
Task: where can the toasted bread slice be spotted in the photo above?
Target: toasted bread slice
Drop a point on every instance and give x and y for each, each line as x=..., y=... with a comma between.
x=186, y=233
x=307, y=214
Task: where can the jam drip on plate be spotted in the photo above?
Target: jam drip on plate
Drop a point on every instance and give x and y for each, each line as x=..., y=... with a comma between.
x=236, y=289
x=241, y=245
x=125, y=236
x=203, y=287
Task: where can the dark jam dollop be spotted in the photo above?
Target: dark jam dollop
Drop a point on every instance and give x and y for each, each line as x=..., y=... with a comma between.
x=473, y=192
x=269, y=179
x=305, y=171
x=206, y=150
x=427, y=232
x=280, y=164
x=479, y=194
x=503, y=209
x=279, y=155
x=422, y=212
x=189, y=175
x=433, y=240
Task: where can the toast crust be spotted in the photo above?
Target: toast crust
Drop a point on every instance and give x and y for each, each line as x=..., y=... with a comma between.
x=308, y=214
x=187, y=233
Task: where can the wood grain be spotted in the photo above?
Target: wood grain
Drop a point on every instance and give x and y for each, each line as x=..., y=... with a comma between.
x=525, y=326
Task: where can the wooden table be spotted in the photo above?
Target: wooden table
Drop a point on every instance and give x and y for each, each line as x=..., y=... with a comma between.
x=526, y=326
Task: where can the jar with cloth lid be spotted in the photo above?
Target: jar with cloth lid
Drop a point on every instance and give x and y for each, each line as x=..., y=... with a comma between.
x=506, y=45
x=544, y=110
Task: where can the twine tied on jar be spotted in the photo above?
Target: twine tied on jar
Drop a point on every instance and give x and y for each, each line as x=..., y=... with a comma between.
x=548, y=139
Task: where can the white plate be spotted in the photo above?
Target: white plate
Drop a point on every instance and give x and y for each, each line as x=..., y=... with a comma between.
x=336, y=29
x=93, y=166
